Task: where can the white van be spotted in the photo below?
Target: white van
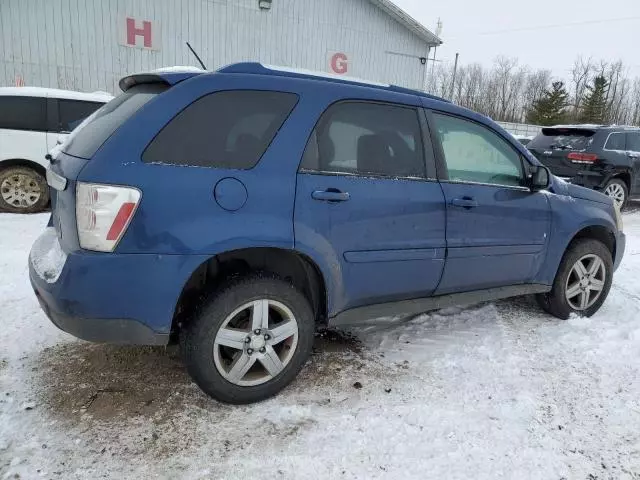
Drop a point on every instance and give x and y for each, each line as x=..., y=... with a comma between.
x=32, y=119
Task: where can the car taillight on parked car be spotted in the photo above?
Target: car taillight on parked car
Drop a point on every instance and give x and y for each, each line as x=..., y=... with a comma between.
x=103, y=213
x=577, y=157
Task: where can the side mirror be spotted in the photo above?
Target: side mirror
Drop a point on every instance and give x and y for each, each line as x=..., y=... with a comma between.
x=539, y=178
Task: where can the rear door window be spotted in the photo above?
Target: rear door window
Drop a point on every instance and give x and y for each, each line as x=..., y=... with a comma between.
x=228, y=129
x=72, y=112
x=633, y=142
x=362, y=138
x=23, y=113
x=88, y=137
x=562, y=139
x=616, y=141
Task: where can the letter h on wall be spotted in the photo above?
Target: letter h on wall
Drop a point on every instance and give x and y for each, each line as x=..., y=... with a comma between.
x=133, y=32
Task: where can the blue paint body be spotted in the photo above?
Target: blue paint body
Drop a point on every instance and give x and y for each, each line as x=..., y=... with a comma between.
x=393, y=239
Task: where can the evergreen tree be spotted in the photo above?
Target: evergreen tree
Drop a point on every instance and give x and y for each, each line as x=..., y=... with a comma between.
x=550, y=108
x=594, y=105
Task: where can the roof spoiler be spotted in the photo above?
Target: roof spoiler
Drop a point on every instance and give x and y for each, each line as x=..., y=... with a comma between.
x=166, y=78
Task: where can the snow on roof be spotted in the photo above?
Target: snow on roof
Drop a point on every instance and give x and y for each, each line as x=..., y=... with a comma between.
x=578, y=125
x=55, y=93
x=592, y=126
x=178, y=68
x=314, y=73
x=408, y=21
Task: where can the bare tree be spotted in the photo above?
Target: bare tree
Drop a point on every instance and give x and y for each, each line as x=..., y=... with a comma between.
x=507, y=92
x=581, y=73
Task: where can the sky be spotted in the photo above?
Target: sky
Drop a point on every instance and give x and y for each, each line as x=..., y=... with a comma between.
x=540, y=33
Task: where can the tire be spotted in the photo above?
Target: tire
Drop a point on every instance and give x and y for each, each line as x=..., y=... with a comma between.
x=206, y=360
x=22, y=190
x=618, y=191
x=556, y=302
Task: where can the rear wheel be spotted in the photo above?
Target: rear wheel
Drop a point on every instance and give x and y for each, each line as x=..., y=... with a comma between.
x=22, y=190
x=618, y=191
x=250, y=340
x=583, y=281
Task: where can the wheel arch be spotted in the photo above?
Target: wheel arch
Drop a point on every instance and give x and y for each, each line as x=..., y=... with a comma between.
x=23, y=162
x=624, y=175
x=596, y=232
x=288, y=264
x=599, y=232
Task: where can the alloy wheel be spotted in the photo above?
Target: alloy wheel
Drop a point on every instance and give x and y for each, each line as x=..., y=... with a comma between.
x=585, y=282
x=616, y=192
x=255, y=342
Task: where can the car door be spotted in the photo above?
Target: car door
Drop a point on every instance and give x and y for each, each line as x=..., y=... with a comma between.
x=366, y=205
x=615, y=149
x=633, y=152
x=497, y=229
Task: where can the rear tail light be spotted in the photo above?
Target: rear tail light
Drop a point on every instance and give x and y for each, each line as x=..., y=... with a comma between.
x=103, y=213
x=577, y=157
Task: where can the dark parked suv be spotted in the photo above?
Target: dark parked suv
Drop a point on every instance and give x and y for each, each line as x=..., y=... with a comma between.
x=605, y=158
x=239, y=210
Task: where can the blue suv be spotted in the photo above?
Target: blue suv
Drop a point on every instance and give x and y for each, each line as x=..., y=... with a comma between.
x=237, y=211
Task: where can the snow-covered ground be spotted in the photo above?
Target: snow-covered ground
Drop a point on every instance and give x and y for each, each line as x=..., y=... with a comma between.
x=498, y=390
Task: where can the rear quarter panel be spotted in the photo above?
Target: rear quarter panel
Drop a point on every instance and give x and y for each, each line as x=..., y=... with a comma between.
x=178, y=213
x=23, y=145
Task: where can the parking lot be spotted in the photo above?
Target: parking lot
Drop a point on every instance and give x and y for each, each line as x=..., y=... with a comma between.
x=496, y=390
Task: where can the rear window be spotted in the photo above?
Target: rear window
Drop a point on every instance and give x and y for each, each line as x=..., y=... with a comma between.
x=72, y=112
x=88, y=137
x=229, y=129
x=562, y=139
x=23, y=113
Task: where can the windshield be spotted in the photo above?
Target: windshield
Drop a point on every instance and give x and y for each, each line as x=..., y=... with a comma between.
x=88, y=137
x=562, y=139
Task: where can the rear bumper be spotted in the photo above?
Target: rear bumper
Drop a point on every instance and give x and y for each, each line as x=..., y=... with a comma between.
x=107, y=330
x=113, y=298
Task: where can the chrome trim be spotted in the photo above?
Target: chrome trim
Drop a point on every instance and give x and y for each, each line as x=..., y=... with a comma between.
x=466, y=182
x=55, y=181
x=604, y=149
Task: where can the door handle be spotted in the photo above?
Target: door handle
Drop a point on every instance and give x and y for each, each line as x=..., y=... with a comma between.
x=330, y=195
x=633, y=155
x=464, y=202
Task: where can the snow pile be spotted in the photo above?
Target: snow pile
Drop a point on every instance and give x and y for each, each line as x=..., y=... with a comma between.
x=47, y=256
x=179, y=69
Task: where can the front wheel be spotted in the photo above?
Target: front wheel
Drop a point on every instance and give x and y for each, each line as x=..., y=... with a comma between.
x=583, y=281
x=618, y=191
x=22, y=190
x=250, y=340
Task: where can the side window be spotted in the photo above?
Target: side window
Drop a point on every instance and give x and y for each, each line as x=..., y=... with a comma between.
x=474, y=153
x=616, y=141
x=367, y=139
x=229, y=129
x=633, y=142
x=23, y=113
x=73, y=112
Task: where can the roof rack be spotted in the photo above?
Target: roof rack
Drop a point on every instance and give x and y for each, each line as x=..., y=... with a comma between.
x=256, y=68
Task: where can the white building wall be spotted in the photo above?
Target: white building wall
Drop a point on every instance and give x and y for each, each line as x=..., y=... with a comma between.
x=75, y=44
